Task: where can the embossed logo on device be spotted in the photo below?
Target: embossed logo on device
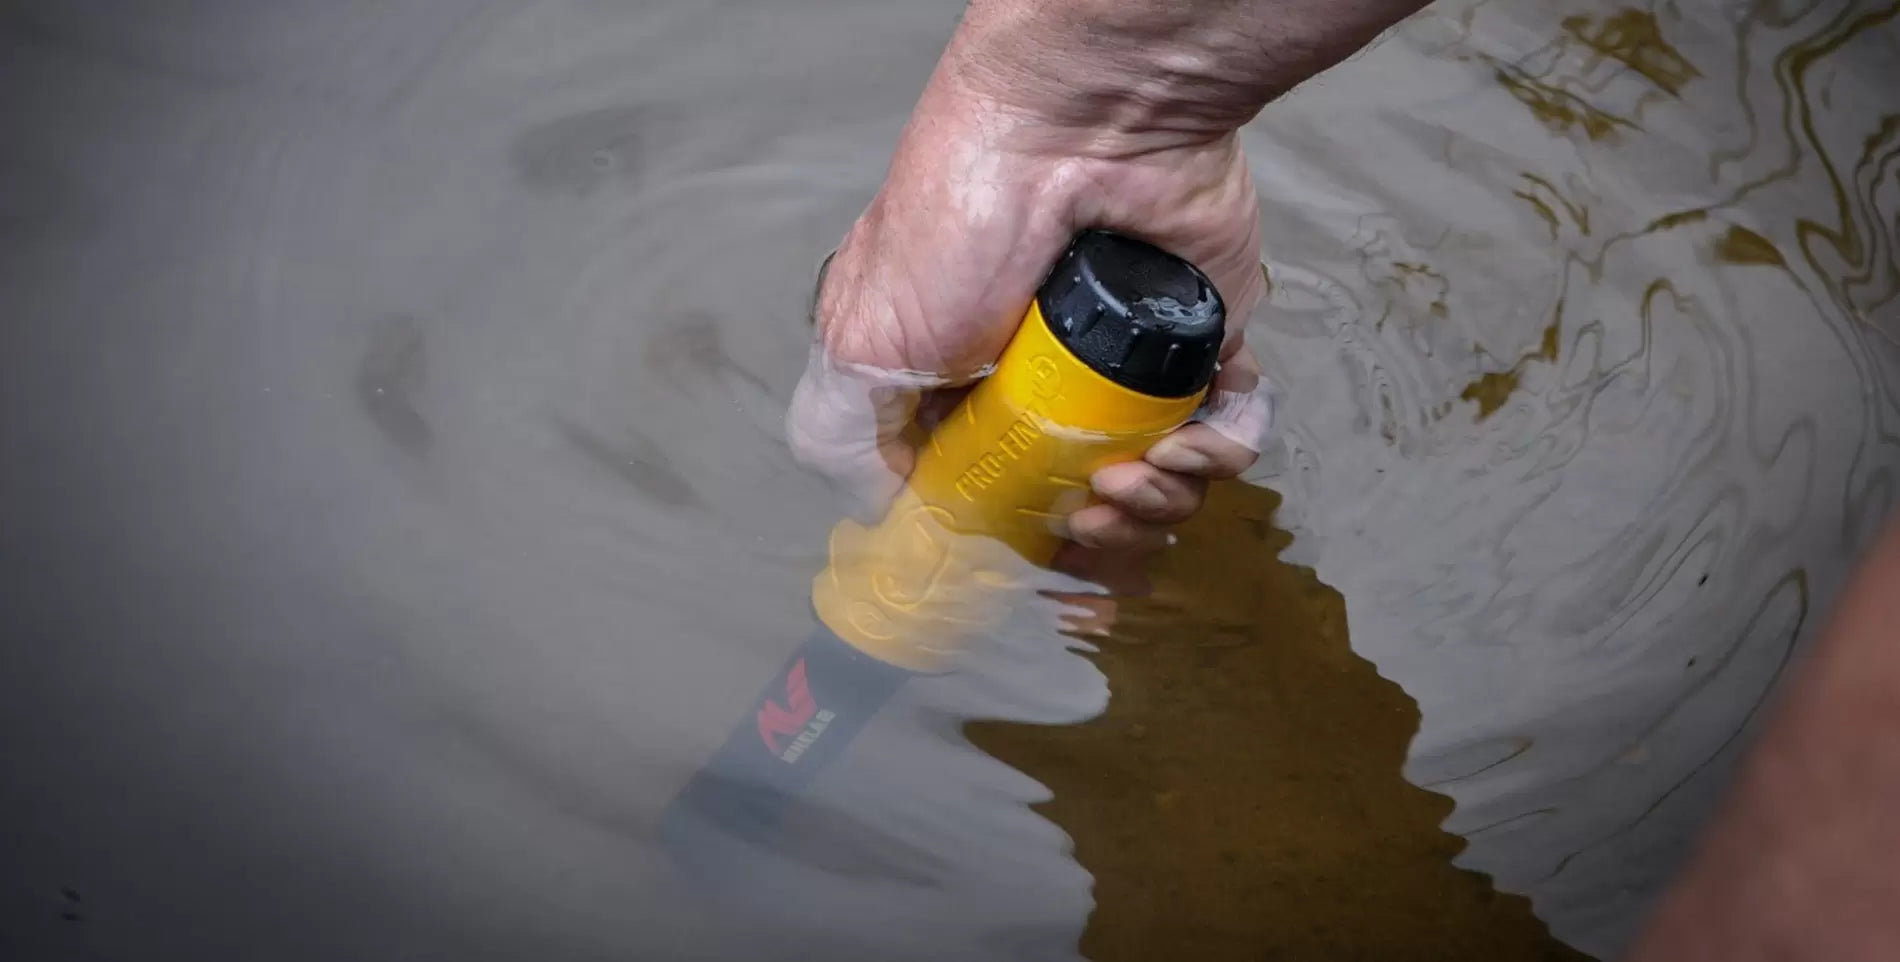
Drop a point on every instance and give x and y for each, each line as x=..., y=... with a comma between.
x=1015, y=441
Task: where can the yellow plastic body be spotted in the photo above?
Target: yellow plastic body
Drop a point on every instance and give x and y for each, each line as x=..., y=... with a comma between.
x=990, y=489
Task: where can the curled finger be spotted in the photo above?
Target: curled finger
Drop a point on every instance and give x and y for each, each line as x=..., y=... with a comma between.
x=1149, y=493
x=1227, y=434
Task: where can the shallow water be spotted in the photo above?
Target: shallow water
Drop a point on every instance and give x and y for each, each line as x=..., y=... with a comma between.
x=397, y=513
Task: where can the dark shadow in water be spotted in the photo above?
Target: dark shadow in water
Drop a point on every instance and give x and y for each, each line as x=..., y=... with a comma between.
x=388, y=379
x=579, y=153
x=1241, y=798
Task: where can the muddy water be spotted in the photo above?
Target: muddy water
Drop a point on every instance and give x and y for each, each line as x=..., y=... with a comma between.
x=396, y=512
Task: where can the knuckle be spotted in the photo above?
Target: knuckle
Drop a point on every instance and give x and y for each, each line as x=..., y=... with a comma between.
x=1179, y=506
x=1229, y=460
x=1089, y=526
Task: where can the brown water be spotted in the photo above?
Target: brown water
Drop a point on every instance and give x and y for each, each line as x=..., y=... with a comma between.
x=1241, y=796
x=396, y=510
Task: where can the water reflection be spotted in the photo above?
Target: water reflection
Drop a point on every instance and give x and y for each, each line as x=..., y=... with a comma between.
x=1241, y=796
x=1578, y=491
x=397, y=515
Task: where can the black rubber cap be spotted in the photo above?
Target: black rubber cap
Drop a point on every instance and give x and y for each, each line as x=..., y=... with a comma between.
x=1136, y=314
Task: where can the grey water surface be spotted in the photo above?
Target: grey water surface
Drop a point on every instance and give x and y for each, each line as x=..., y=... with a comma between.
x=394, y=509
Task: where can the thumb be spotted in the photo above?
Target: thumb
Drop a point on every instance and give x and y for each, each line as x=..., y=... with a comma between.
x=847, y=423
x=1241, y=403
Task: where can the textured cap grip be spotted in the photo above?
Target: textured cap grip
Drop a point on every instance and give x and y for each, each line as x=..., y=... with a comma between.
x=1135, y=314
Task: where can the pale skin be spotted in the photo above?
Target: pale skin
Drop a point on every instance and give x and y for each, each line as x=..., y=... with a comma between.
x=1041, y=119
x=1044, y=117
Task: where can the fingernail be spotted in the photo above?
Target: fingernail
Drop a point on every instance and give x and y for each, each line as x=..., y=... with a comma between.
x=1142, y=495
x=1171, y=454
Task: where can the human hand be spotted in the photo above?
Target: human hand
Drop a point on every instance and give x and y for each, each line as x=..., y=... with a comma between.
x=986, y=189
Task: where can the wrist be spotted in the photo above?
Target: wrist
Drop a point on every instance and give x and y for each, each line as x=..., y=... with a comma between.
x=1107, y=79
x=1154, y=74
